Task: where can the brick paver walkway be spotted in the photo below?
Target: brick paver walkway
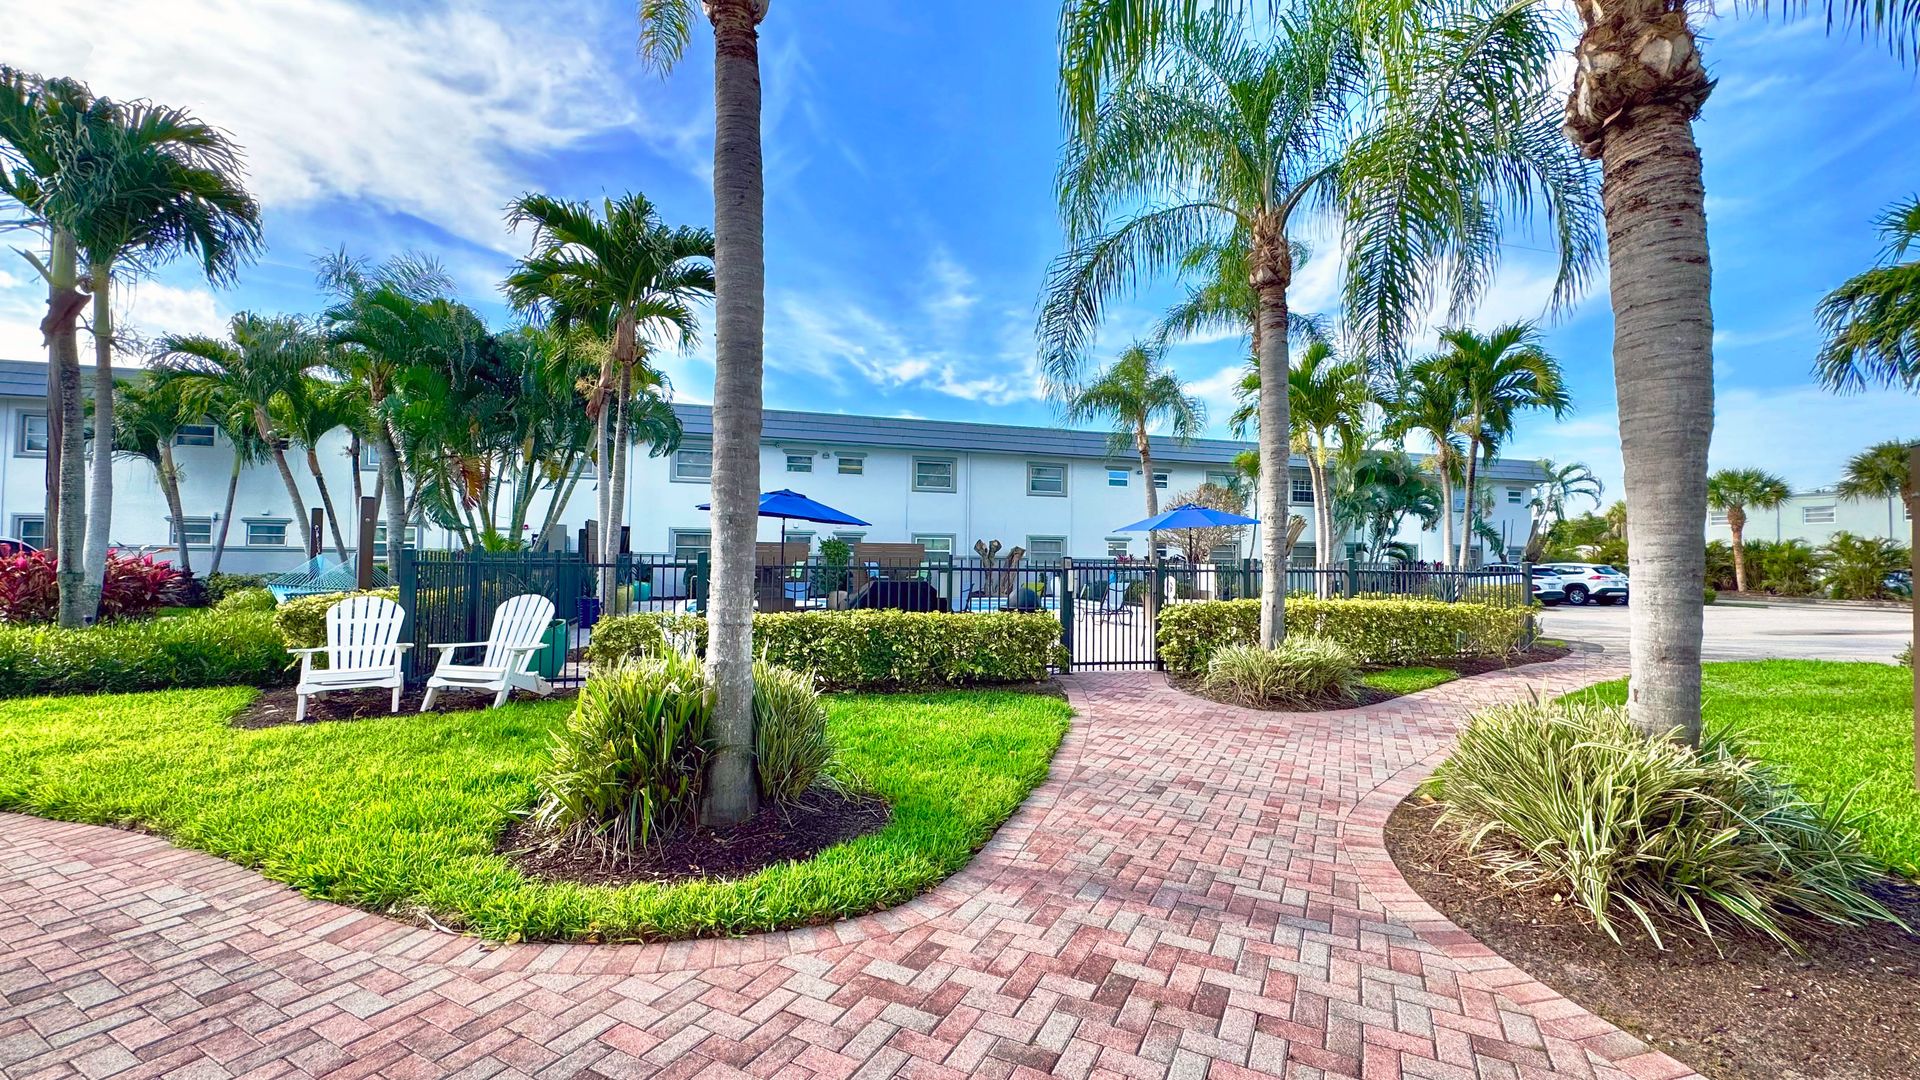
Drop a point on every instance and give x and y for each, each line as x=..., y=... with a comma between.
x=1197, y=891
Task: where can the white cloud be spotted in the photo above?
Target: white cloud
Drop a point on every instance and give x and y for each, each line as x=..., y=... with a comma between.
x=421, y=112
x=143, y=311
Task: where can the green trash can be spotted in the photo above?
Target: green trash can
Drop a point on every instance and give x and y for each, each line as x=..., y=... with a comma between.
x=551, y=660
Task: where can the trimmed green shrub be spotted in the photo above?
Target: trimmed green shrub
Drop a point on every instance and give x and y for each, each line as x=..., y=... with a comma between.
x=246, y=600
x=1571, y=797
x=199, y=648
x=218, y=586
x=790, y=745
x=1304, y=670
x=1710, y=595
x=863, y=650
x=1377, y=632
x=302, y=621
x=626, y=770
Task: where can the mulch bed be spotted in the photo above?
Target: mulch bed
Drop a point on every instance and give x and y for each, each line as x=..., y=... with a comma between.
x=775, y=835
x=1368, y=695
x=275, y=707
x=1848, y=1008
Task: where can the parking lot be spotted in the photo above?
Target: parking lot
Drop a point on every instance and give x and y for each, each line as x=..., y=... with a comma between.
x=1754, y=632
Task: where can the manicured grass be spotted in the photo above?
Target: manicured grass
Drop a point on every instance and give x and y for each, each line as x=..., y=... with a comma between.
x=1833, y=729
x=1407, y=680
x=401, y=814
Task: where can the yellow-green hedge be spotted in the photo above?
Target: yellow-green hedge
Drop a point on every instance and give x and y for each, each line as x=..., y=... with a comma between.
x=864, y=650
x=302, y=621
x=1375, y=631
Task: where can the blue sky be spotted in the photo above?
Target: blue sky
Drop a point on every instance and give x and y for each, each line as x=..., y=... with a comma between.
x=910, y=152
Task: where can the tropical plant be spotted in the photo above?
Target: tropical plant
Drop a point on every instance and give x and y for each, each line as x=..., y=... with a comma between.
x=739, y=326
x=1304, y=670
x=1428, y=400
x=1858, y=566
x=147, y=416
x=1189, y=134
x=262, y=358
x=1786, y=567
x=1136, y=394
x=791, y=750
x=1733, y=491
x=1375, y=493
x=1328, y=399
x=308, y=411
x=234, y=419
x=1552, y=495
x=1873, y=319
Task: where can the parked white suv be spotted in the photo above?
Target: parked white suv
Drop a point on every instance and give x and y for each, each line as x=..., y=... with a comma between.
x=1590, y=582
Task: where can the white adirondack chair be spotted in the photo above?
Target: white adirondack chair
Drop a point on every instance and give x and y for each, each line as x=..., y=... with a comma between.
x=363, y=651
x=518, y=626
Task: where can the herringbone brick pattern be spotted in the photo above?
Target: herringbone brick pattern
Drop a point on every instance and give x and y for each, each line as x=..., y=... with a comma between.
x=1198, y=891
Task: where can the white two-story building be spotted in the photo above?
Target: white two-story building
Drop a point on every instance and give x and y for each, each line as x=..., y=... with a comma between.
x=941, y=484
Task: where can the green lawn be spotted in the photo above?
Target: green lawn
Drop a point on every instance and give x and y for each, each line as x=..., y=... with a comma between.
x=1407, y=680
x=401, y=814
x=1833, y=729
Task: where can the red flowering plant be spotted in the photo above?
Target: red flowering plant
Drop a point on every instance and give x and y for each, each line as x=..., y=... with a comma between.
x=135, y=585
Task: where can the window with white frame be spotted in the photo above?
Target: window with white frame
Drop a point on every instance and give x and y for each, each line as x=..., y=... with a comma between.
x=693, y=464
x=689, y=544
x=851, y=465
x=933, y=474
x=1301, y=490
x=31, y=529
x=380, y=538
x=1045, y=479
x=266, y=534
x=1817, y=515
x=1119, y=547
x=1160, y=477
x=937, y=546
x=1118, y=477
x=33, y=435
x=799, y=461
x=1046, y=550
x=370, y=457
x=1516, y=496
x=1716, y=517
x=1459, y=500
x=196, y=531
x=1224, y=553
x=1219, y=479
x=193, y=435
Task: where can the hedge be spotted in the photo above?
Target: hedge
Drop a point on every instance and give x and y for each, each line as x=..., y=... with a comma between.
x=302, y=621
x=1378, y=632
x=200, y=648
x=865, y=649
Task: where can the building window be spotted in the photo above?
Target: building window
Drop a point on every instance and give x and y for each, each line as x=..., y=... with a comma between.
x=266, y=534
x=33, y=434
x=1220, y=479
x=1459, y=500
x=1817, y=515
x=1716, y=517
x=1160, y=479
x=195, y=531
x=1118, y=477
x=690, y=544
x=1118, y=547
x=380, y=538
x=1046, y=550
x=1301, y=490
x=933, y=474
x=938, y=547
x=369, y=457
x=193, y=435
x=852, y=465
x=798, y=545
x=799, y=462
x=693, y=464
x=1516, y=496
x=1224, y=553
x=1046, y=479
x=31, y=529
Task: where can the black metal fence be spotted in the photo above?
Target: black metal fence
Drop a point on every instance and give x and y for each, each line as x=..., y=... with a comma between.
x=1107, y=608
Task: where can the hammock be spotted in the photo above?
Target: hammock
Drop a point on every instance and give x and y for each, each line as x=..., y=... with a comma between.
x=320, y=575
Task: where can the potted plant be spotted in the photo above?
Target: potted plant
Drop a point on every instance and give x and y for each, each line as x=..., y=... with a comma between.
x=834, y=575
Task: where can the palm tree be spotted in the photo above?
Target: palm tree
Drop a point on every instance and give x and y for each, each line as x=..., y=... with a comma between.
x=1732, y=491
x=1499, y=374
x=625, y=275
x=1428, y=399
x=1327, y=402
x=1553, y=495
x=308, y=411
x=1137, y=395
x=1380, y=488
x=1879, y=472
x=739, y=202
x=235, y=421
x=1873, y=320
x=147, y=417
x=1188, y=136
x=262, y=359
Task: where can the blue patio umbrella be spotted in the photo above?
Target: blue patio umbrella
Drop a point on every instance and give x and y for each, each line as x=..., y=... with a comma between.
x=1188, y=516
x=791, y=505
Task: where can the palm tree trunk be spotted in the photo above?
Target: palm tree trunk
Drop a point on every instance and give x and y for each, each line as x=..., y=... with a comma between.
x=1469, y=504
x=1639, y=85
x=326, y=503
x=396, y=492
x=226, y=515
x=100, y=495
x=1271, y=270
x=280, y=462
x=64, y=301
x=617, y=481
x=170, y=487
x=1737, y=525
x=1446, y=509
x=739, y=199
